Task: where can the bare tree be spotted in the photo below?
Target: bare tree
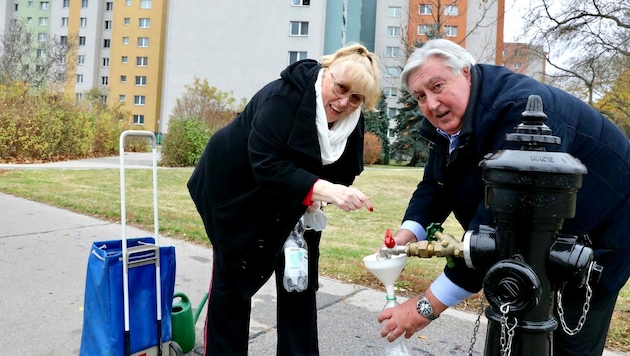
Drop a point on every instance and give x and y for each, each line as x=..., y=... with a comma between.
x=588, y=42
x=34, y=58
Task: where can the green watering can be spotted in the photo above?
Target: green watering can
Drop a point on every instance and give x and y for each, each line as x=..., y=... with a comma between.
x=183, y=321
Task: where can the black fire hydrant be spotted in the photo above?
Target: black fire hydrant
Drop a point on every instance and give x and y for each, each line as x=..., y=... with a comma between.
x=530, y=191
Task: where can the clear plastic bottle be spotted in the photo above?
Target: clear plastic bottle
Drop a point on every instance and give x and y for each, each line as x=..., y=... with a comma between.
x=400, y=346
x=295, y=260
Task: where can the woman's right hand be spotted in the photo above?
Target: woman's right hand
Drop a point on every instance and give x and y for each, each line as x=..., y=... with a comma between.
x=346, y=198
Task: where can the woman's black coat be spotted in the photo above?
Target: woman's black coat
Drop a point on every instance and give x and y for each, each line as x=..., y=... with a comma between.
x=254, y=174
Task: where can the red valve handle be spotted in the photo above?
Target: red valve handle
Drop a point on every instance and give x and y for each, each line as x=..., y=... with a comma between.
x=389, y=240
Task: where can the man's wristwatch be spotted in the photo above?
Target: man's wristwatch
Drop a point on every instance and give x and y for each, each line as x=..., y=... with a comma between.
x=425, y=308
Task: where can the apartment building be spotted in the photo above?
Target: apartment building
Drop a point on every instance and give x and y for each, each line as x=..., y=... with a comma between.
x=142, y=54
x=525, y=59
x=119, y=48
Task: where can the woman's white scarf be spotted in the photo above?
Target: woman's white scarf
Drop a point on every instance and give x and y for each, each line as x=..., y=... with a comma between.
x=332, y=142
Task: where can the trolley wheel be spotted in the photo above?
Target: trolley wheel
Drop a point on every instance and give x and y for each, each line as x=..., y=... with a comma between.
x=174, y=349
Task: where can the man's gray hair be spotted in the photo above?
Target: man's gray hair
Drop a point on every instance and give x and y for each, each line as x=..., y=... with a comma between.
x=454, y=56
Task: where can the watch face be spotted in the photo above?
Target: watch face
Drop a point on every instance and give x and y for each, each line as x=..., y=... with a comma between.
x=425, y=308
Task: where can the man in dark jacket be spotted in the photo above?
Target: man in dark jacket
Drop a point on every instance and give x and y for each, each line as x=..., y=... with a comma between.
x=298, y=143
x=469, y=108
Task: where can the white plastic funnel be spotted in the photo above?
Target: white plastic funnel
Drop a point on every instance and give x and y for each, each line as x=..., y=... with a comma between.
x=386, y=270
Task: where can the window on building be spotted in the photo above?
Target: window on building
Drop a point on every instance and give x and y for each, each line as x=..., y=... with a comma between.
x=517, y=65
x=41, y=53
x=391, y=133
x=425, y=9
x=517, y=53
x=30, y=4
x=104, y=81
x=29, y=20
x=393, y=31
x=451, y=10
x=138, y=119
x=139, y=100
x=44, y=5
x=144, y=23
x=83, y=22
x=392, y=72
x=141, y=80
x=124, y=59
x=392, y=112
x=450, y=31
x=81, y=59
x=43, y=21
x=143, y=41
x=393, y=11
x=145, y=4
x=295, y=56
x=84, y=3
x=123, y=79
x=109, y=6
x=390, y=91
x=423, y=29
x=64, y=22
x=66, y=3
x=42, y=37
x=79, y=78
x=392, y=51
x=142, y=61
x=105, y=61
x=61, y=77
x=125, y=40
x=79, y=96
x=107, y=43
x=108, y=25
x=504, y=52
x=127, y=21
x=122, y=98
x=299, y=28
x=300, y=2
x=127, y=2
x=63, y=40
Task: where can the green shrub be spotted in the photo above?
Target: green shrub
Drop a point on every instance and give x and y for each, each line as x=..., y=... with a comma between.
x=185, y=141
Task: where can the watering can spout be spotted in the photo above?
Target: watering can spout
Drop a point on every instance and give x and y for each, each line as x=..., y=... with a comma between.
x=200, y=307
x=183, y=321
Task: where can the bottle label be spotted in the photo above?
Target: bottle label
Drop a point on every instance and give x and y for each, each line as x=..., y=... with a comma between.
x=296, y=269
x=296, y=260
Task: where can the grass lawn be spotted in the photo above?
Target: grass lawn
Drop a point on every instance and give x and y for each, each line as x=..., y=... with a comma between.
x=348, y=238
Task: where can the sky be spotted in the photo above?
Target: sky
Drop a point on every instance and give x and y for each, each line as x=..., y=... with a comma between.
x=513, y=22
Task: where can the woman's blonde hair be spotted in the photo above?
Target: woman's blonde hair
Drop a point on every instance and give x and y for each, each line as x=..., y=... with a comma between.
x=360, y=67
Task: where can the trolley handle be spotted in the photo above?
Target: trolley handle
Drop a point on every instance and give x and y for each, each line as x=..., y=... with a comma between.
x=133, y=250
x=141, y=133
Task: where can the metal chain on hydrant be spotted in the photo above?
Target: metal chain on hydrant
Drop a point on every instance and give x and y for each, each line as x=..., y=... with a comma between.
x=585, y=307
x=507, y=332
x=473, y=339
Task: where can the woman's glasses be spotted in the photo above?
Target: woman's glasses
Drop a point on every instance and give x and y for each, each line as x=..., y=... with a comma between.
x=342, y=90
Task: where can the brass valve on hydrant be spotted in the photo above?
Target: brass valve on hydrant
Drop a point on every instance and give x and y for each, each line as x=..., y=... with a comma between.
x=437, y=244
